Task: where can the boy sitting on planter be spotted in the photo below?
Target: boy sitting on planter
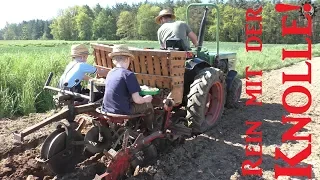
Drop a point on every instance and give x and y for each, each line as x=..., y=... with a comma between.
x=122, y=88
x=76, y=70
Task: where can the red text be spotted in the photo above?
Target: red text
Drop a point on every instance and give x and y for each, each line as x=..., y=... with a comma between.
x=292, y=169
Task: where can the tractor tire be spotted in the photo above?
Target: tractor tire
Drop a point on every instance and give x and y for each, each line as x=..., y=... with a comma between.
x=234, y=94
x=206, y=99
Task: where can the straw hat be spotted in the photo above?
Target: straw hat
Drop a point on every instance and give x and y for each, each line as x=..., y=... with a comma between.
x=162, y=13
x=79, y=50
x=121, y=50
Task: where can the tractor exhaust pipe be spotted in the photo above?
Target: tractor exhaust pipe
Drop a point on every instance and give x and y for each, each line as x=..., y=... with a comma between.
x=202, y=29
x=202, y=25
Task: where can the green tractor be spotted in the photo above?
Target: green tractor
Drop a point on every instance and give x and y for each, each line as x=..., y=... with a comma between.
x=210, y=82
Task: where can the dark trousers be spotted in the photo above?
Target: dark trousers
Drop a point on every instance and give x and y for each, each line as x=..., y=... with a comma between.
x=147, y=109
x=76, y=89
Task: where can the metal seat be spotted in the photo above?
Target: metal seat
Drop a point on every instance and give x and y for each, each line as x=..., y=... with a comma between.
x=118, y=116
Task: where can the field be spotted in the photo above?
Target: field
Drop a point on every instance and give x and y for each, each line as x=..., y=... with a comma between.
x=25, y=66
x=214, y=155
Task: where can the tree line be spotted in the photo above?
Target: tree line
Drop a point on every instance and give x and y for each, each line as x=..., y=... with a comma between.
x=27, y=30
x=136, y=22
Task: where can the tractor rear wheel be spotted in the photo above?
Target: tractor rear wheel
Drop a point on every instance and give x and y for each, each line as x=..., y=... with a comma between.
x=234, y=93
x=206, y=99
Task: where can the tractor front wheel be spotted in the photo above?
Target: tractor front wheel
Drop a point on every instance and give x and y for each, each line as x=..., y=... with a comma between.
x=234, y=94
x=206, y=99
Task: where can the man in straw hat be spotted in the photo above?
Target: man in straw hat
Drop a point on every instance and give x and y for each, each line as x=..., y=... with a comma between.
x=122, y=86
x=174, y=29
x=77, y=69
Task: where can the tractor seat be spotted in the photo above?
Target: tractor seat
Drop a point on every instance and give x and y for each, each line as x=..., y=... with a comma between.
x=175, y=44
x=118, y=116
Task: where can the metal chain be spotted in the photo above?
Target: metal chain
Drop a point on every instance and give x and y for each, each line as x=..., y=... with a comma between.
x=91, y=160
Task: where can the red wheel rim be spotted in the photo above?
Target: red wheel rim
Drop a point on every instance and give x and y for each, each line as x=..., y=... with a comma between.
x=214, y=103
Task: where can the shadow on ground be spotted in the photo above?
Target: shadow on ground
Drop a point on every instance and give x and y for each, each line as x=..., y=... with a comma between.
x=233, y=123
x=219, y=153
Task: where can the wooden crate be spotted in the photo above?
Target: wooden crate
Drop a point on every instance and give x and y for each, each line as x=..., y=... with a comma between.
x=155, y=68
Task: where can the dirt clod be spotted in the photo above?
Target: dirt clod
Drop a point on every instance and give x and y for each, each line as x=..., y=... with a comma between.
x=31, y=177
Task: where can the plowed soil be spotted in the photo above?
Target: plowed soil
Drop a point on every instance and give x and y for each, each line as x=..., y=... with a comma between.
x=216, y=154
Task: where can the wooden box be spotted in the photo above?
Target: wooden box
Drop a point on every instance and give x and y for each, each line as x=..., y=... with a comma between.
x=156, y=68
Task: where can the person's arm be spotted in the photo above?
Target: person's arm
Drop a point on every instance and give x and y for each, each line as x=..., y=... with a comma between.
x=193, y=37
x=86, y=77
x=162, y=46
x=140, y=100
x=102, y=71
x=134, y=89
x=87, y=68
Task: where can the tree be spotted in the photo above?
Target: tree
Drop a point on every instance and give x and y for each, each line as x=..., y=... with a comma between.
x=271, y=24
x=25, y=32
x=47, y=31
x=125, y=25
x=233, y=21
x=168, y=4
x=37, y=30
x=180, y=3
x=104, y=26
x=214, y=23
x=97, y=9
x=1, y=34
x=65, y=26
x=84, y=25
x=136, y=21
x=87, y=10
x=180, y=13
x=120, y=7
x=61, y=28
x=147, y=27
x=10, y=32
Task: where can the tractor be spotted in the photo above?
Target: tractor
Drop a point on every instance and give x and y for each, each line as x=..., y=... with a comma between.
x=192, y=93
x=210, y=77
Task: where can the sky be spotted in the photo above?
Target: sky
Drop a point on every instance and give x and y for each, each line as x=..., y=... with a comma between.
x=16, y=11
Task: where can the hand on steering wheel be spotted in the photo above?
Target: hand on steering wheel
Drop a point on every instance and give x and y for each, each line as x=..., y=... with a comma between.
x=202, y=48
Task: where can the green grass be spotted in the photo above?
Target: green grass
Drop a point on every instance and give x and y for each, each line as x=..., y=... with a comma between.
x=25, y=65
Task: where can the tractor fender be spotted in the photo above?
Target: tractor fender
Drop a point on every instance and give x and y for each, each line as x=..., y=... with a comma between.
x=193, y=67
x=195, y=62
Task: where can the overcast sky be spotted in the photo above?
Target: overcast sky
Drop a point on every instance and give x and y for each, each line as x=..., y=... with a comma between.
x=15, y=11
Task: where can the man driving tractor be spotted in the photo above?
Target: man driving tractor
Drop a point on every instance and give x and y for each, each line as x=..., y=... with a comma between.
x=121, y=87
x=174, y=29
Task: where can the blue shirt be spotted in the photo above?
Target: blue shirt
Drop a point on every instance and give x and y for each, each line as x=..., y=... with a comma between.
x=120, y=85
x=75, y=70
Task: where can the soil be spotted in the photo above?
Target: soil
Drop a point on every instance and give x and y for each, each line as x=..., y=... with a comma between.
x=216, y=154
